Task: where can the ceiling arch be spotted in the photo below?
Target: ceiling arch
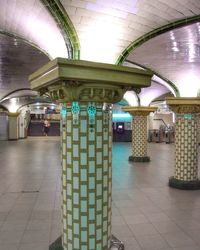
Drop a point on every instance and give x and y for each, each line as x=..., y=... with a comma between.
x=156, y=32
x=107, y=27
x=31, y=21
x=161, y=79
x=18, y=60
x=175, y=55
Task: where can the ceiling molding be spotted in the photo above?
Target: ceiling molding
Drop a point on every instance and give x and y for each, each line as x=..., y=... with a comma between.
x=66, y=26
x=154, y=33
x=171, y=84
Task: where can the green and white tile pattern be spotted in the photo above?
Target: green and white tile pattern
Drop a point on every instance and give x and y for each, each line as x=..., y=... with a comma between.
x=139, y=136
x=86, y=180
x=186, y=167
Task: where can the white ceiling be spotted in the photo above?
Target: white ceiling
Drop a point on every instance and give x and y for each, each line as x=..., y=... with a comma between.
x=104, y=28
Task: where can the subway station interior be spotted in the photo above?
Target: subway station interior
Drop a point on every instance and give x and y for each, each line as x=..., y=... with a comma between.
x=99, y=124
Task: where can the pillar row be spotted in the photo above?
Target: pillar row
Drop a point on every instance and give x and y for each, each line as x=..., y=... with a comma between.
x=186, y=143
x=139, y=132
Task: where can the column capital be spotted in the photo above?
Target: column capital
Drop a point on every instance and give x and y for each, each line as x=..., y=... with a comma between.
x=77, y=80
x=184, y=104
x=68, y=91
x=12, y=114
x=139, y=111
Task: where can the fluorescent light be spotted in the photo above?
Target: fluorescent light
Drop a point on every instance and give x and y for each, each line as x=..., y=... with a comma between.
x=121, y=115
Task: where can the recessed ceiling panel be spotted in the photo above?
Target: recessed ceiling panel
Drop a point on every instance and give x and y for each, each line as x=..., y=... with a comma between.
x=175, y=55
x=17, y=61
x=29, y=19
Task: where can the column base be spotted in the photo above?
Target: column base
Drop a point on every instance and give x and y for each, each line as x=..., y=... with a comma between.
x=115, y=244
x=184, y=185
x=139, y=158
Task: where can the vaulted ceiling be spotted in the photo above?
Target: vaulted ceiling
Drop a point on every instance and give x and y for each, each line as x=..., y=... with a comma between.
x=163, y=36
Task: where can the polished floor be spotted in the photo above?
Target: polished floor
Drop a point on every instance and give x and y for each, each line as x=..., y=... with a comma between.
x=147, y=214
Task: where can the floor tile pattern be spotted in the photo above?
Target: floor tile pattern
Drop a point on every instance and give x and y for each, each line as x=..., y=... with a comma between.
x=147, y=214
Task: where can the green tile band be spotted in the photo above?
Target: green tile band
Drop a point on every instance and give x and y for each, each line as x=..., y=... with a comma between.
x=86, y=179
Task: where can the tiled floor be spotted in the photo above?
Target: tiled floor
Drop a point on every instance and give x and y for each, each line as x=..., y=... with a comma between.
x=147, y=214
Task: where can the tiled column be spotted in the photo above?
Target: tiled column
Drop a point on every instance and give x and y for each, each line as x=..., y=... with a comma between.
x=86, y=89
x=86, y=182
x=186, y=143
x=139, y=132
x=13, y=126
x=198, y=128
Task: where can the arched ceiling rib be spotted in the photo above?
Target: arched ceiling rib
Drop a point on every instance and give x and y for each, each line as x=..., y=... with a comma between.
x=66, y=26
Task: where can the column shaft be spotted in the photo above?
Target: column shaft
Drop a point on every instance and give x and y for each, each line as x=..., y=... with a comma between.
x=186, y=167
x=139, y=136
x=86, y=181
x=186, y=142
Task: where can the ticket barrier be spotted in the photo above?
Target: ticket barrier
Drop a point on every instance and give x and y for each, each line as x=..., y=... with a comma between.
x=155, y=135
x=169, y=136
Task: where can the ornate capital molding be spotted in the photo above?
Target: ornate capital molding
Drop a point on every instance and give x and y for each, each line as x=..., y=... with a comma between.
x=69, y=91
x=182, y=105
x=139, y=111
x=78, y=80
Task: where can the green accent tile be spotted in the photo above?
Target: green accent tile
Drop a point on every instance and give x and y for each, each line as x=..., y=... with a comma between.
x=99, y=219
x=91, y=183
x=91, y=167
x=75, y=182
x=83, y=143
x=83, y=175
x=76, y=228
x=69, y=232
x=99, y=157
x=76, y=198
x=99, y=189
x=84, y=236
x=76, y=166
x=99, y=205
x=99, y=174
x=83, y=158
x=91, y=198
x=91, y=214
x=76, y=213
x=69, y=160
x=91, y=151
x=75, y=150
x=83, y=191
x=84, y=206
x=91, y=229
x=69, y=189
x=83, y=221
x=69, y=219
x=69, y=174
x=92, y=243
